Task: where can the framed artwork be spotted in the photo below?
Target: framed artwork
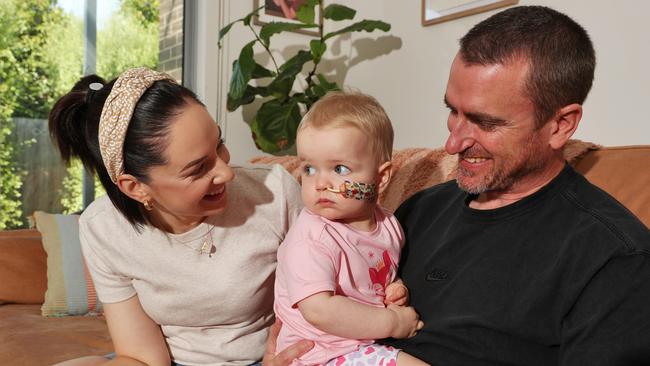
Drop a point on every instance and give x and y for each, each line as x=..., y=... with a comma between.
x=438, y=11
x=282, y=11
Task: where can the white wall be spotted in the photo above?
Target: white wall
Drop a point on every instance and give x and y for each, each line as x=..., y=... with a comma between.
x=407, y=68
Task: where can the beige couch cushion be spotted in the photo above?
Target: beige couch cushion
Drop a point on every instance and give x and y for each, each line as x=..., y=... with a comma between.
x=22, y=267
x=624, y=173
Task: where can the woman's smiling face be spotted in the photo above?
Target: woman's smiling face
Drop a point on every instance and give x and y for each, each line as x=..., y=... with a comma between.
x=192, y=185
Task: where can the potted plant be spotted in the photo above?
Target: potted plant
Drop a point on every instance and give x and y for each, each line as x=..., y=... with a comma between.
x=274, y=124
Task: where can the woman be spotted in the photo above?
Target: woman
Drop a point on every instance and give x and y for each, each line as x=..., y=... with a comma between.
x=182, y=250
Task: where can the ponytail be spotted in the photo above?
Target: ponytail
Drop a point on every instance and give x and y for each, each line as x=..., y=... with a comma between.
x=74, y=126
x=73, y=123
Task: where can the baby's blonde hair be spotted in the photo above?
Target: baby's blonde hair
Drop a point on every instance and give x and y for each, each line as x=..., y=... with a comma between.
x=351, y=108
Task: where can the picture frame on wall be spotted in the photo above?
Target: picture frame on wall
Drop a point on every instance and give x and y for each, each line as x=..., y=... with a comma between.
x=282, y=11
x=436, y=11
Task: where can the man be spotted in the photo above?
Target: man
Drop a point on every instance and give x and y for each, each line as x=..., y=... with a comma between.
x=521, y=261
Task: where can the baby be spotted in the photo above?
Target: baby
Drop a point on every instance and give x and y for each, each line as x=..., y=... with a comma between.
x=335, y=280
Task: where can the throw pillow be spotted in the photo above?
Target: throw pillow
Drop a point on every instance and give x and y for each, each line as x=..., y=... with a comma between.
x=22, y=267
x=70, y=290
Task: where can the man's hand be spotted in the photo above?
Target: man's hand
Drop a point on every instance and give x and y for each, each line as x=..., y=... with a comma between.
x=406, y=321
x=289, y=354
x=397, y=294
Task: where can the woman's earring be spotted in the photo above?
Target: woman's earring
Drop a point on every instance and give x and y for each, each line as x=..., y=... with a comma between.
x=147, y=205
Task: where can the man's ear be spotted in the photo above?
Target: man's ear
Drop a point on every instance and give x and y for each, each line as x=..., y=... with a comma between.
x=564, y=125
x=384, y=173
x=132, y=187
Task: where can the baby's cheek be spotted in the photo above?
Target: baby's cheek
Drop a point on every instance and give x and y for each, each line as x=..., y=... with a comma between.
x=306, y=193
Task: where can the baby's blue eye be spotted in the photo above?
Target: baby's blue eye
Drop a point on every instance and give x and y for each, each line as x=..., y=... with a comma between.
x=342, y=170
x=309, y=170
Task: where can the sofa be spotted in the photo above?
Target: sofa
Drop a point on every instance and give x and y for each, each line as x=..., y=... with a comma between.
x=27, y=284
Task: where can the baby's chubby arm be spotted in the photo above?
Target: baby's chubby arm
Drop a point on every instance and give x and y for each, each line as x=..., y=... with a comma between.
x=344, y=317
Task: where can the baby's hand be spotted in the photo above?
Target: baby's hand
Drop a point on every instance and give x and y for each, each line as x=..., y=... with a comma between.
x=397, y=294
x=406, y=321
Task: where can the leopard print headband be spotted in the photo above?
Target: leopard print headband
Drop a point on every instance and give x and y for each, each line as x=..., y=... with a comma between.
x=117, y=112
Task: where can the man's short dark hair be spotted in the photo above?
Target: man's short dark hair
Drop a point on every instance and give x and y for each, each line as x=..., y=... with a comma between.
x=559, y=51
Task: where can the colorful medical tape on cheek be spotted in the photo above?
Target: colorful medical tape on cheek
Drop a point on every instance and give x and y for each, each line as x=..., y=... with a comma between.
x=356, y=190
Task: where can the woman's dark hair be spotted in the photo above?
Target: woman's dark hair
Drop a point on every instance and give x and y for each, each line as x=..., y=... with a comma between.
x=559, y=51
x=74, y=124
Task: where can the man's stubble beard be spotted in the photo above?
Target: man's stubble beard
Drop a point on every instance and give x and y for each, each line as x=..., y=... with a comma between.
x=504, y=176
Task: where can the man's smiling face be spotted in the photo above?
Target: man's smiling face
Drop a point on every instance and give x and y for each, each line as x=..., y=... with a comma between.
x=492, y=128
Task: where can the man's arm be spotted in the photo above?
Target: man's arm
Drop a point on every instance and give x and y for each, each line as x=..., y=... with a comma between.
x=610, y=322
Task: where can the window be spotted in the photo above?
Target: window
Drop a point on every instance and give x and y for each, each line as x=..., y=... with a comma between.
x=45, y=47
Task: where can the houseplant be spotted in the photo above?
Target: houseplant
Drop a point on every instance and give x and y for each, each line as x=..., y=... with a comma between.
x=274, y=124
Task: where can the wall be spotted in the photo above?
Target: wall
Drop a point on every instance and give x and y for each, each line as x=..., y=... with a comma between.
x=407, y=69
x=171, y=38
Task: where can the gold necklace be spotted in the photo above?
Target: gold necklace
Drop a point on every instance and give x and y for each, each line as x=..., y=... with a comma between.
x=207, y=247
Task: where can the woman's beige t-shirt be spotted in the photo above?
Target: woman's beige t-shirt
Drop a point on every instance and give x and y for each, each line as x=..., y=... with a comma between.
x=212, y=310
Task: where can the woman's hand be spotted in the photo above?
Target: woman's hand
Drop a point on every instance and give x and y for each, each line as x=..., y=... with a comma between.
x=289, y=354
x=397, y=294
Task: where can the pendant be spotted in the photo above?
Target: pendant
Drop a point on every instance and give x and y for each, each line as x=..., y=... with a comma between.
x=206, y=248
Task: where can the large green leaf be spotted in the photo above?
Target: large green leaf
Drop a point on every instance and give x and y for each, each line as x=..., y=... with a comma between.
x=326, y=85
x=223, y=31
x=277, y=27
x=261, y=72
x=294, y=65
x=281, y=85
x=338, y=12
x=317, y=48
x=248, y=97
x=300, y=98
x=364, y=25
x=275, y=124
x=281, y=88
x=242, y=72
x=306, y=13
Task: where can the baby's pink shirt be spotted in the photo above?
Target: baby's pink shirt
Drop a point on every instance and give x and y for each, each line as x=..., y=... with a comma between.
x=321, y=255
